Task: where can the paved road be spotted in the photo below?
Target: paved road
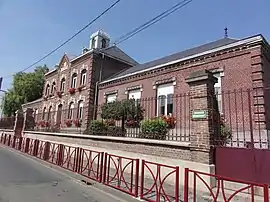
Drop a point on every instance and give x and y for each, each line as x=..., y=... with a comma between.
x=24, y=179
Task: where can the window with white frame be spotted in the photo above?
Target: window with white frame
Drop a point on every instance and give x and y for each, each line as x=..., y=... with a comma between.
x=218, y=91
x=83, y=77
x=70, y=110
x=62, y=85
x=80, y=110
x=134, y=94
x=165, y=99
x=111, y=98
x=74, y=80
x=47, y=91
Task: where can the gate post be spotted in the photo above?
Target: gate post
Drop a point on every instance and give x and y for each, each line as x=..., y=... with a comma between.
x=47, y=148
x=201, y=85
x=18, y=126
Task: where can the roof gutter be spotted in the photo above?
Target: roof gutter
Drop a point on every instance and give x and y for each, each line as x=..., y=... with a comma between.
x=249, y=40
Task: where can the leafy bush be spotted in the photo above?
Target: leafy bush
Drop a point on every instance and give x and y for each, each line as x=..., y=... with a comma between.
x=122, y=110
x=155, y=128
x=97, y=127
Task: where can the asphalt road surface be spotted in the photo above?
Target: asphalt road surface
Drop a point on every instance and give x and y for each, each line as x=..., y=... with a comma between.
x=25, y=179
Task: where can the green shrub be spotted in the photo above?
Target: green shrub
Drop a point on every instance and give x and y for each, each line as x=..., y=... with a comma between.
x=115, y=131
x=97, y=127
x=155, y=128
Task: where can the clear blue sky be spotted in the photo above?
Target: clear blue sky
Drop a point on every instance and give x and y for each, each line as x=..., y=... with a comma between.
x=31, y=28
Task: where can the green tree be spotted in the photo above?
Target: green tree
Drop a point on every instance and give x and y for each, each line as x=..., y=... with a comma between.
x=26, y=87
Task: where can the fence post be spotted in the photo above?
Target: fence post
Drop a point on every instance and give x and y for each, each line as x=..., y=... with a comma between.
x=2, y=137
x=20, y=143
x=186, y=185
x=9, y=138
x=60, y=156
x=35, y=149
x=105, y=168
x=203, y=115
x=142, y=179
x=266, y=193
x=14, y=142
x=47, y=148
x=101, y=167
x=27, y=141
x=137, y=164
x=5, y=138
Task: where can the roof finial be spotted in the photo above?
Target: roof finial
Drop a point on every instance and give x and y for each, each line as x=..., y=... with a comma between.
x=226, y=32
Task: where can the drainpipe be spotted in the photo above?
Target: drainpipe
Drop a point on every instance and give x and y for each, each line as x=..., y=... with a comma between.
x=96, y=87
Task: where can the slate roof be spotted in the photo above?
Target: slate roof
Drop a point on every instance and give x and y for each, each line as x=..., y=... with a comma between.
x=176, y=56
x=116, y=52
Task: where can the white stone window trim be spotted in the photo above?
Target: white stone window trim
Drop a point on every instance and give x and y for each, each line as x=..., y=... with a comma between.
x=164, y=81
x=132, y=88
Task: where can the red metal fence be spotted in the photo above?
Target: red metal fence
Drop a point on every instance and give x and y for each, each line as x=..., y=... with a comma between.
x=122, y=173
x=215, y=186
x=158, y=182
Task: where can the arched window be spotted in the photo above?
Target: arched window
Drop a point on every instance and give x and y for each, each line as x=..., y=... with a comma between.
x=53, y=88
x=70, y=110
x=62, y=85
x=74, y=80
x=83, y=77
x=103, y=43
x=44, y=113
x=47, y=90
x=49, y=113
x=80, y=110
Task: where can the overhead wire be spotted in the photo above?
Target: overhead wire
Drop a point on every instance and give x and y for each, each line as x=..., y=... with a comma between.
x=70, y=38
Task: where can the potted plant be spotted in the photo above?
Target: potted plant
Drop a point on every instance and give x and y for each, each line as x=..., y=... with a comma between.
x=68, y=122
x=59, y=94
x=77, y=122
x=71, y=90
x=170, y=120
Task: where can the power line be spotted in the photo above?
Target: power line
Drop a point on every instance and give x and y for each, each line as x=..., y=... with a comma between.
x=152, y=21
x=72, y=37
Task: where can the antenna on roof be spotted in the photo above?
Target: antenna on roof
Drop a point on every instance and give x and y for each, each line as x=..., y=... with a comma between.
x=226, y=32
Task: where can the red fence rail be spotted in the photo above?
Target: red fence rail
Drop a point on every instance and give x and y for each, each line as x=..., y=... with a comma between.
x=217, y=191
x=122, y=173
x=160, y=173
x=158, y=183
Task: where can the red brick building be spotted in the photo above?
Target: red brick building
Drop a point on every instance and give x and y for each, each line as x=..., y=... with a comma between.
x=242, y=68
x=70, y=89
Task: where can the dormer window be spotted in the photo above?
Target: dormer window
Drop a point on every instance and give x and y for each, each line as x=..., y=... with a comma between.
x=103, y=43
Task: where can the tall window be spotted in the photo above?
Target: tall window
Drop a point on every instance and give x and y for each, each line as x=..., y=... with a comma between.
x=80, y=110
x=44, y=113
x=218, y=91
x=47, y=91
x=70, y=110
x=74, y=80
x=62, y=85
x=49, y=113
x=83, y=77
x=103, y=43
x=53, y=88
x=165, y=99
x=111, y=98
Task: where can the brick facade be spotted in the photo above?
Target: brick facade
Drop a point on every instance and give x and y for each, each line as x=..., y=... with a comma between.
x=242, y=69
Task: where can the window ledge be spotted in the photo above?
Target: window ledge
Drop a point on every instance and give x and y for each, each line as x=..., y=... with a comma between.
x=116, y=139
